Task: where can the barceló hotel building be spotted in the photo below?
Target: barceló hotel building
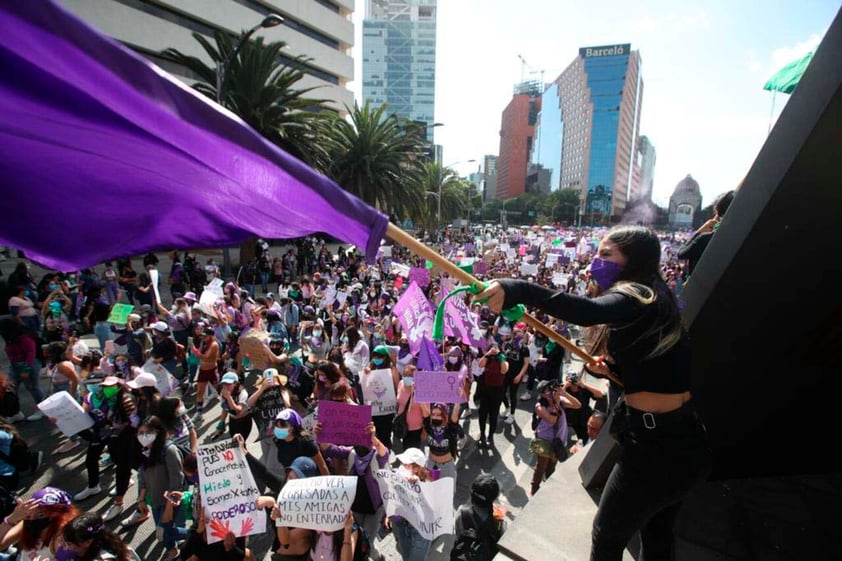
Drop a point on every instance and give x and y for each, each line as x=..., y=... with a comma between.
x=589, y=130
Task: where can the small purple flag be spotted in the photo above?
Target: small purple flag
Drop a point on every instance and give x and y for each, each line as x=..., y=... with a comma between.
x=429, y=357
x=105, y=155
x=416, y=314
x=461, y=322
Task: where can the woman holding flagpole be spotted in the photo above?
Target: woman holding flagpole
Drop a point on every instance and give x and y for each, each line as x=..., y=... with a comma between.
x=664, y=446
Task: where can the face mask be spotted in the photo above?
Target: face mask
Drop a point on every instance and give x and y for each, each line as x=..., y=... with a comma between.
x=604, y=272
x=36, y=526
x=181, y=411
x=146, y=439
x=110, y=391
x=436, y=422
x=344, y=340
x=194, y=479
x=281, y=434
x=317, y=333
x=122, y=366
x=377, y=361
x=94, y=388
x=362, y=451
x=66, y=554
x=51, y=287
x=323, y=379
x=408, y=380
x=453, y=359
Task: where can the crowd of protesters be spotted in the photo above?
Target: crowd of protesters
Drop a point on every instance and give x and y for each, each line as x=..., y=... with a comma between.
x=287, y=332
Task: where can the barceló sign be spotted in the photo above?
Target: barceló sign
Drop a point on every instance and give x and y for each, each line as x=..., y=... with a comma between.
x=606, y=50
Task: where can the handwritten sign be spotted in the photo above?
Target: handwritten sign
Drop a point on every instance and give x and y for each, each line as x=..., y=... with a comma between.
x=229, y=493
x=120, y=313
x=268, y=405
x=343, y=423
x=399, y=269
x=439, y=387
x=528, y=269
x=317, y=503
x=154, y=277
x=69, y=415
x=379, y=391
x=427, y=506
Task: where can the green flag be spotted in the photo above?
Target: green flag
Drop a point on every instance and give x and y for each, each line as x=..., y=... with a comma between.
x=787, y=77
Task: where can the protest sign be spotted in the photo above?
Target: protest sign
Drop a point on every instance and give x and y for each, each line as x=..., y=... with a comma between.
x=120, y=313
x=379, y=391
x=268, y=405
x=229, y=493
x=439, y=387
x=419, y=275
x=528, y=269
x=387, y=250
x=154, y=277
x=308, y=422
x=69, y=415
x=552, y=259
x=560, y=279
x=399, y=269
x=480, y=267
x=427, y=506
x=343, y=423
x=252, y=345
x=164, y=381
x=215, y=286
x=341, y=297
x=329, y=297
x=317, y=503
x=207, y=302
x=415, y=315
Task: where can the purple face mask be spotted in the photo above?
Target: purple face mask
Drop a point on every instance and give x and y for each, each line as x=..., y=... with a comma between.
x=604, y=272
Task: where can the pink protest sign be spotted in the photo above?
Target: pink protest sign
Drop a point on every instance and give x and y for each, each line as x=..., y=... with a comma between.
x=439, y=387
x=343, y=423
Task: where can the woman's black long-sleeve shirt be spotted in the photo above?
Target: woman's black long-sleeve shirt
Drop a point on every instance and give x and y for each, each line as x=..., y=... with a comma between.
x=630, y=339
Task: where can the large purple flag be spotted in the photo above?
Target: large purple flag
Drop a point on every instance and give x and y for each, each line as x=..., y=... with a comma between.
x=416, y=314
x=103, y=155
x=461, y=322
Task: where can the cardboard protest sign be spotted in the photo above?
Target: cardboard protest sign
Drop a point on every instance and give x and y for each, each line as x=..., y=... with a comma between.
x=387, y=250
x=70, y=417
x=399, y=269
x=229, y=493
x=120, y=313
x=308, y=422
x=552, y=259
x=427, y=506
x=317, y=503
x=343, y=423
x=439, y=387
x=164, y=381
x=329, y=297
x=528, y=269
x=379, y=391
x=252, y=345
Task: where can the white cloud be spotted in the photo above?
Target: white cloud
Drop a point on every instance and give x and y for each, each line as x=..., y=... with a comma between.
x=784, y=55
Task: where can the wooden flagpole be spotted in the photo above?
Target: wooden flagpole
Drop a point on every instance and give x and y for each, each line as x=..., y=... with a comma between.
x=399, y=236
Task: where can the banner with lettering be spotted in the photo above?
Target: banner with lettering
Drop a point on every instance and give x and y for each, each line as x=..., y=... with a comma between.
x=70, y=417
x=427, y=506
x=439, y=387
x=229, y=493
x=344, y=423
x=461, y=322
x=415, y=313
x=317, y=503
x=379, y=392
x=164, y=380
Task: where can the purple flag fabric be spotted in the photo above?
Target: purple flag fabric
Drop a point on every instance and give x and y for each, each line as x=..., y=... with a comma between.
x=429, y=357
x=104, y=155
x=461, y=322
x=416, y=314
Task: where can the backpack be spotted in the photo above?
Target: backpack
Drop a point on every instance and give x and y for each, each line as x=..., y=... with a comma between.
x=19, y=455
x=477, y=541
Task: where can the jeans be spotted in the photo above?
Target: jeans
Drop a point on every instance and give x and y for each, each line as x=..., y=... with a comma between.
x=658, y=468
x=410, y=544
x=103, y=333
x=17, y=370
x=112, y=291
x=173, y=531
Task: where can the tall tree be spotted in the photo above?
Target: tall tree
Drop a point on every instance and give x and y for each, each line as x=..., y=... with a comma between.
x=379, y=158
x=262, y=90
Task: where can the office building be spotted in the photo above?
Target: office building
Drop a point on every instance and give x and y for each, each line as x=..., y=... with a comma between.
x=517, y=134
x=321, y=31
x=399, y=58
x=489, y=178
x=646, y=163
x=589, y=128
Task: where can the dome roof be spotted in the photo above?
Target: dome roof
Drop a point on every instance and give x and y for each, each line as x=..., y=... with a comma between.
x=687, y=185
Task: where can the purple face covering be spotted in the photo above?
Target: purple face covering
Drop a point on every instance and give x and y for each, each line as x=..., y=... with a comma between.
x=604, y=272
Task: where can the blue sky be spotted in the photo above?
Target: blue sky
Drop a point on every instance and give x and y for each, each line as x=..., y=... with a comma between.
x=703, y=64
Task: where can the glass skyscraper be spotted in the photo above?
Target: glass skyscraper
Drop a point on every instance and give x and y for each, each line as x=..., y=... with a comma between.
x=589, y=129
x=399, y=58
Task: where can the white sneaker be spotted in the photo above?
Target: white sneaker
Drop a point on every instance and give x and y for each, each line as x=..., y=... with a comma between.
x=37, y=416
x=87, y=492
x=17, y=417
x=509, y=419
x=67, y=446
x=113, y=512
x=525, y=396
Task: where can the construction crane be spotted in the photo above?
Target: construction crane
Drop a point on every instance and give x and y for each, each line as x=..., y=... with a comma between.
x=524, y=65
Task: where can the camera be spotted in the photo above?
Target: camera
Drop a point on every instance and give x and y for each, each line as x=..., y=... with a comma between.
x=573, y=378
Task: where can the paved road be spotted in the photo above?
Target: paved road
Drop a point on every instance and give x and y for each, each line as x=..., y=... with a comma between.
x=510, y=462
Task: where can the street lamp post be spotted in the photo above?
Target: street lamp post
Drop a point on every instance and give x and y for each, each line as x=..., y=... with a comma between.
x=441, y=179
x=272, y=20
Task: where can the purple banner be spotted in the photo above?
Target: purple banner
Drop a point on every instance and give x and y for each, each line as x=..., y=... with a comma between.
x=461, y=322
x=439, y=387
x=415, y=313
x=343, y=423
x=420, y=276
